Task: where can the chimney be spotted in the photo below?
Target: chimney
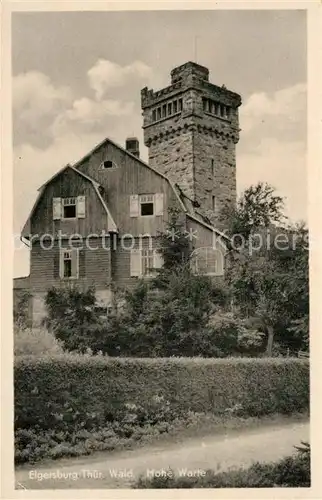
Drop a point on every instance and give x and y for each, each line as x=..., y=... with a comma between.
x=132, y=146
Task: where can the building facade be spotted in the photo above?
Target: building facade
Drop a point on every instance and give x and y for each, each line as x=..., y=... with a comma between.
x=95, y=223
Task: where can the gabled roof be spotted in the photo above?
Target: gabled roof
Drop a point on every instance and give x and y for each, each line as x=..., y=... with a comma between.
x=109, y=141
x=183, y=201
x=62, y=170
x=112, y=226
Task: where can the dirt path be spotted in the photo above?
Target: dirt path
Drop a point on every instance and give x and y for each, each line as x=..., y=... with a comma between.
x=220, y=452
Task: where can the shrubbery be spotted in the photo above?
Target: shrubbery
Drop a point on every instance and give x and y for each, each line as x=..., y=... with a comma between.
x=36, y=341
x=293, y=472
x=72, y=393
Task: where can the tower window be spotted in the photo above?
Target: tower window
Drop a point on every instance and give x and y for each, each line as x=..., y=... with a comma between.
x=175, y=106
x=212, y=167
x=164, y=111
x=214, y=204
x=159, y=113
x=170, y=108
x=154, y=115
x=180, y=104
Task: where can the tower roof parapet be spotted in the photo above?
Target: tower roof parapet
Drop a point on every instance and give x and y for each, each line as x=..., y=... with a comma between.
x=189, y=76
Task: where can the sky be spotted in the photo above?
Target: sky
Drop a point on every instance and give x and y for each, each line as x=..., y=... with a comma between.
x=77, y=78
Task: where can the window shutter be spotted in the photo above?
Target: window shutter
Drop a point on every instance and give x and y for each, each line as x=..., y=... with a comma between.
x=159, y=204
x=135, y=262
x=75, y=262
x=81, y=207
x=57, y=264
x=61, y=263
x=57, y=209
x=81, y=263
x=157, y=259
x=220, y=266
x=134, y=205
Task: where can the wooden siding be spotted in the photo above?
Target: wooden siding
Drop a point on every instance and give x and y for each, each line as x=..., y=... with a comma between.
x=94, y=268
x=121, y=260
x=69, y=184
x=203, y=237
x=128, y=178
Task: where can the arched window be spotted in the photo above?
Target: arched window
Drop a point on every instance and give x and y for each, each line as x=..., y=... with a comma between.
x=208, y=261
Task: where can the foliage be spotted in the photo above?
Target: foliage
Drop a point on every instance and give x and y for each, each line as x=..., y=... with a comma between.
x=72, y=317
x=173, y=313
x=291, y=472
x=36, y=341
x=232, y=335
x=257, y=207
x=269, y=281
x=83, y=391
x=173, y=243
x=21, y=311
x=171, y=321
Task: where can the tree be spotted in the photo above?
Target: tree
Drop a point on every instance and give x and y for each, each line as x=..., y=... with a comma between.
x=257, y=207
x=73, y=318
x=271, y=284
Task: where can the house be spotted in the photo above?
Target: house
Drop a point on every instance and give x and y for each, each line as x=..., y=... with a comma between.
x=96, y=222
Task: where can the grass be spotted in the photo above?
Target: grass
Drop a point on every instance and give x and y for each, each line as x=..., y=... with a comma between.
x=46, y=449
x=290, y=472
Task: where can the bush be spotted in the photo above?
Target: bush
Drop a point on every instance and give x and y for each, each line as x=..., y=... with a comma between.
x=72, y=390
x=292, y=472
x=37, y=342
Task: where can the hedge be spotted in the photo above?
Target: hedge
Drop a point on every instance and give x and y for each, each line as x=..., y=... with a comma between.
x=77, y=391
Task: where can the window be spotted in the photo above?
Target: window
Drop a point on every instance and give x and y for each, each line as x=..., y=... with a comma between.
x=215, y=108
x=146, y=205
x=170, y=108
x=180, y=104
x=106, y=164
x=212, y=167
x=69, y=263
x=144, y=261
x=69, y=208
x=214, y=204
x=159, y=113
x=175, y=106
x=147, y=261
x=164, y=111
x=67, y=271
x=208, y=261
x=154, y=115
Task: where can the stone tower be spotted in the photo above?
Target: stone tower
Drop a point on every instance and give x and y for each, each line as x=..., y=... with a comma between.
x=191, y=129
